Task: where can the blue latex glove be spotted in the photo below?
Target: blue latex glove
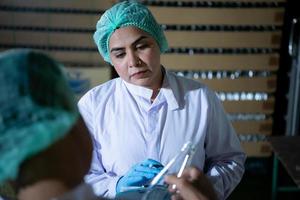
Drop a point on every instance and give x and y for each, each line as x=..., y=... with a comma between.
x=139, y=174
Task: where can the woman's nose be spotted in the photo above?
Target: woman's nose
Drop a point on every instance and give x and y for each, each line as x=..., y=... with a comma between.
x=133, y=60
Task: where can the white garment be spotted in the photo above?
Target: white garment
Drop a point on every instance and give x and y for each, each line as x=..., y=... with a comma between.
x=126, y=129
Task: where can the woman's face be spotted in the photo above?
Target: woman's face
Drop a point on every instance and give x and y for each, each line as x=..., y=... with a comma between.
x=136, y=57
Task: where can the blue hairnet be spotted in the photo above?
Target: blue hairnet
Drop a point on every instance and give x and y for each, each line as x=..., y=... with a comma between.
x=127, y=13
x=37, y=107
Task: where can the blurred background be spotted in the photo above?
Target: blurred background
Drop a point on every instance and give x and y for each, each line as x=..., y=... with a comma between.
x=245, y=50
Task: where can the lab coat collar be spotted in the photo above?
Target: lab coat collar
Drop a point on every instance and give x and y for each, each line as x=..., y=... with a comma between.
x=167, y=92
x=139, y=91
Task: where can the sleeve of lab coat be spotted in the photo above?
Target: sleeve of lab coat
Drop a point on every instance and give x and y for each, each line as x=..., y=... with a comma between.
x=103, y=183
x=224, y=164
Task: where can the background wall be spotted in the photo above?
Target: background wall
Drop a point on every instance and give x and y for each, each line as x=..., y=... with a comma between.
x=63, y=29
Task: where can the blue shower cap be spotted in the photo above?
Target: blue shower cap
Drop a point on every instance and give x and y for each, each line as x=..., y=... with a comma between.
x=37, y=107
x=127, y=13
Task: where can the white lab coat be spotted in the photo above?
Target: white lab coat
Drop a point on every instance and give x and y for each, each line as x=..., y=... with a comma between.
x=127, y=128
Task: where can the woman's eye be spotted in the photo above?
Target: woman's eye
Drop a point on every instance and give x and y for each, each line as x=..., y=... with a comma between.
x=143, y=46
x=120, y=55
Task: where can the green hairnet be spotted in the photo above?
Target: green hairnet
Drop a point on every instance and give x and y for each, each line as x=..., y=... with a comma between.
x=37, y=107
x=127, y=13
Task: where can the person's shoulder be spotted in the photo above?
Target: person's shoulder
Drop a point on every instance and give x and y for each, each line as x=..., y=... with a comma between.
x=101, y=91
x=191, y=86
x=187, y=83
x=107, y=86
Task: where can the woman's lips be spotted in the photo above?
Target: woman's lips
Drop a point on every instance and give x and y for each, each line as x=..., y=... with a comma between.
x=139, y=74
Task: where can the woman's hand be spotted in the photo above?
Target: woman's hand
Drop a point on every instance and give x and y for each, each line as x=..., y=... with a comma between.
x=139, y=174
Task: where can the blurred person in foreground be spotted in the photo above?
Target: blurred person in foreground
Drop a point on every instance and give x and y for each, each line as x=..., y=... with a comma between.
x=45, y=149
x=139, y=121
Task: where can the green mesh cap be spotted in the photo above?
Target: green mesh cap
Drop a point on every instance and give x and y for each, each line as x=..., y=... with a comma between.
x=127, y=13
x=37, y=107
